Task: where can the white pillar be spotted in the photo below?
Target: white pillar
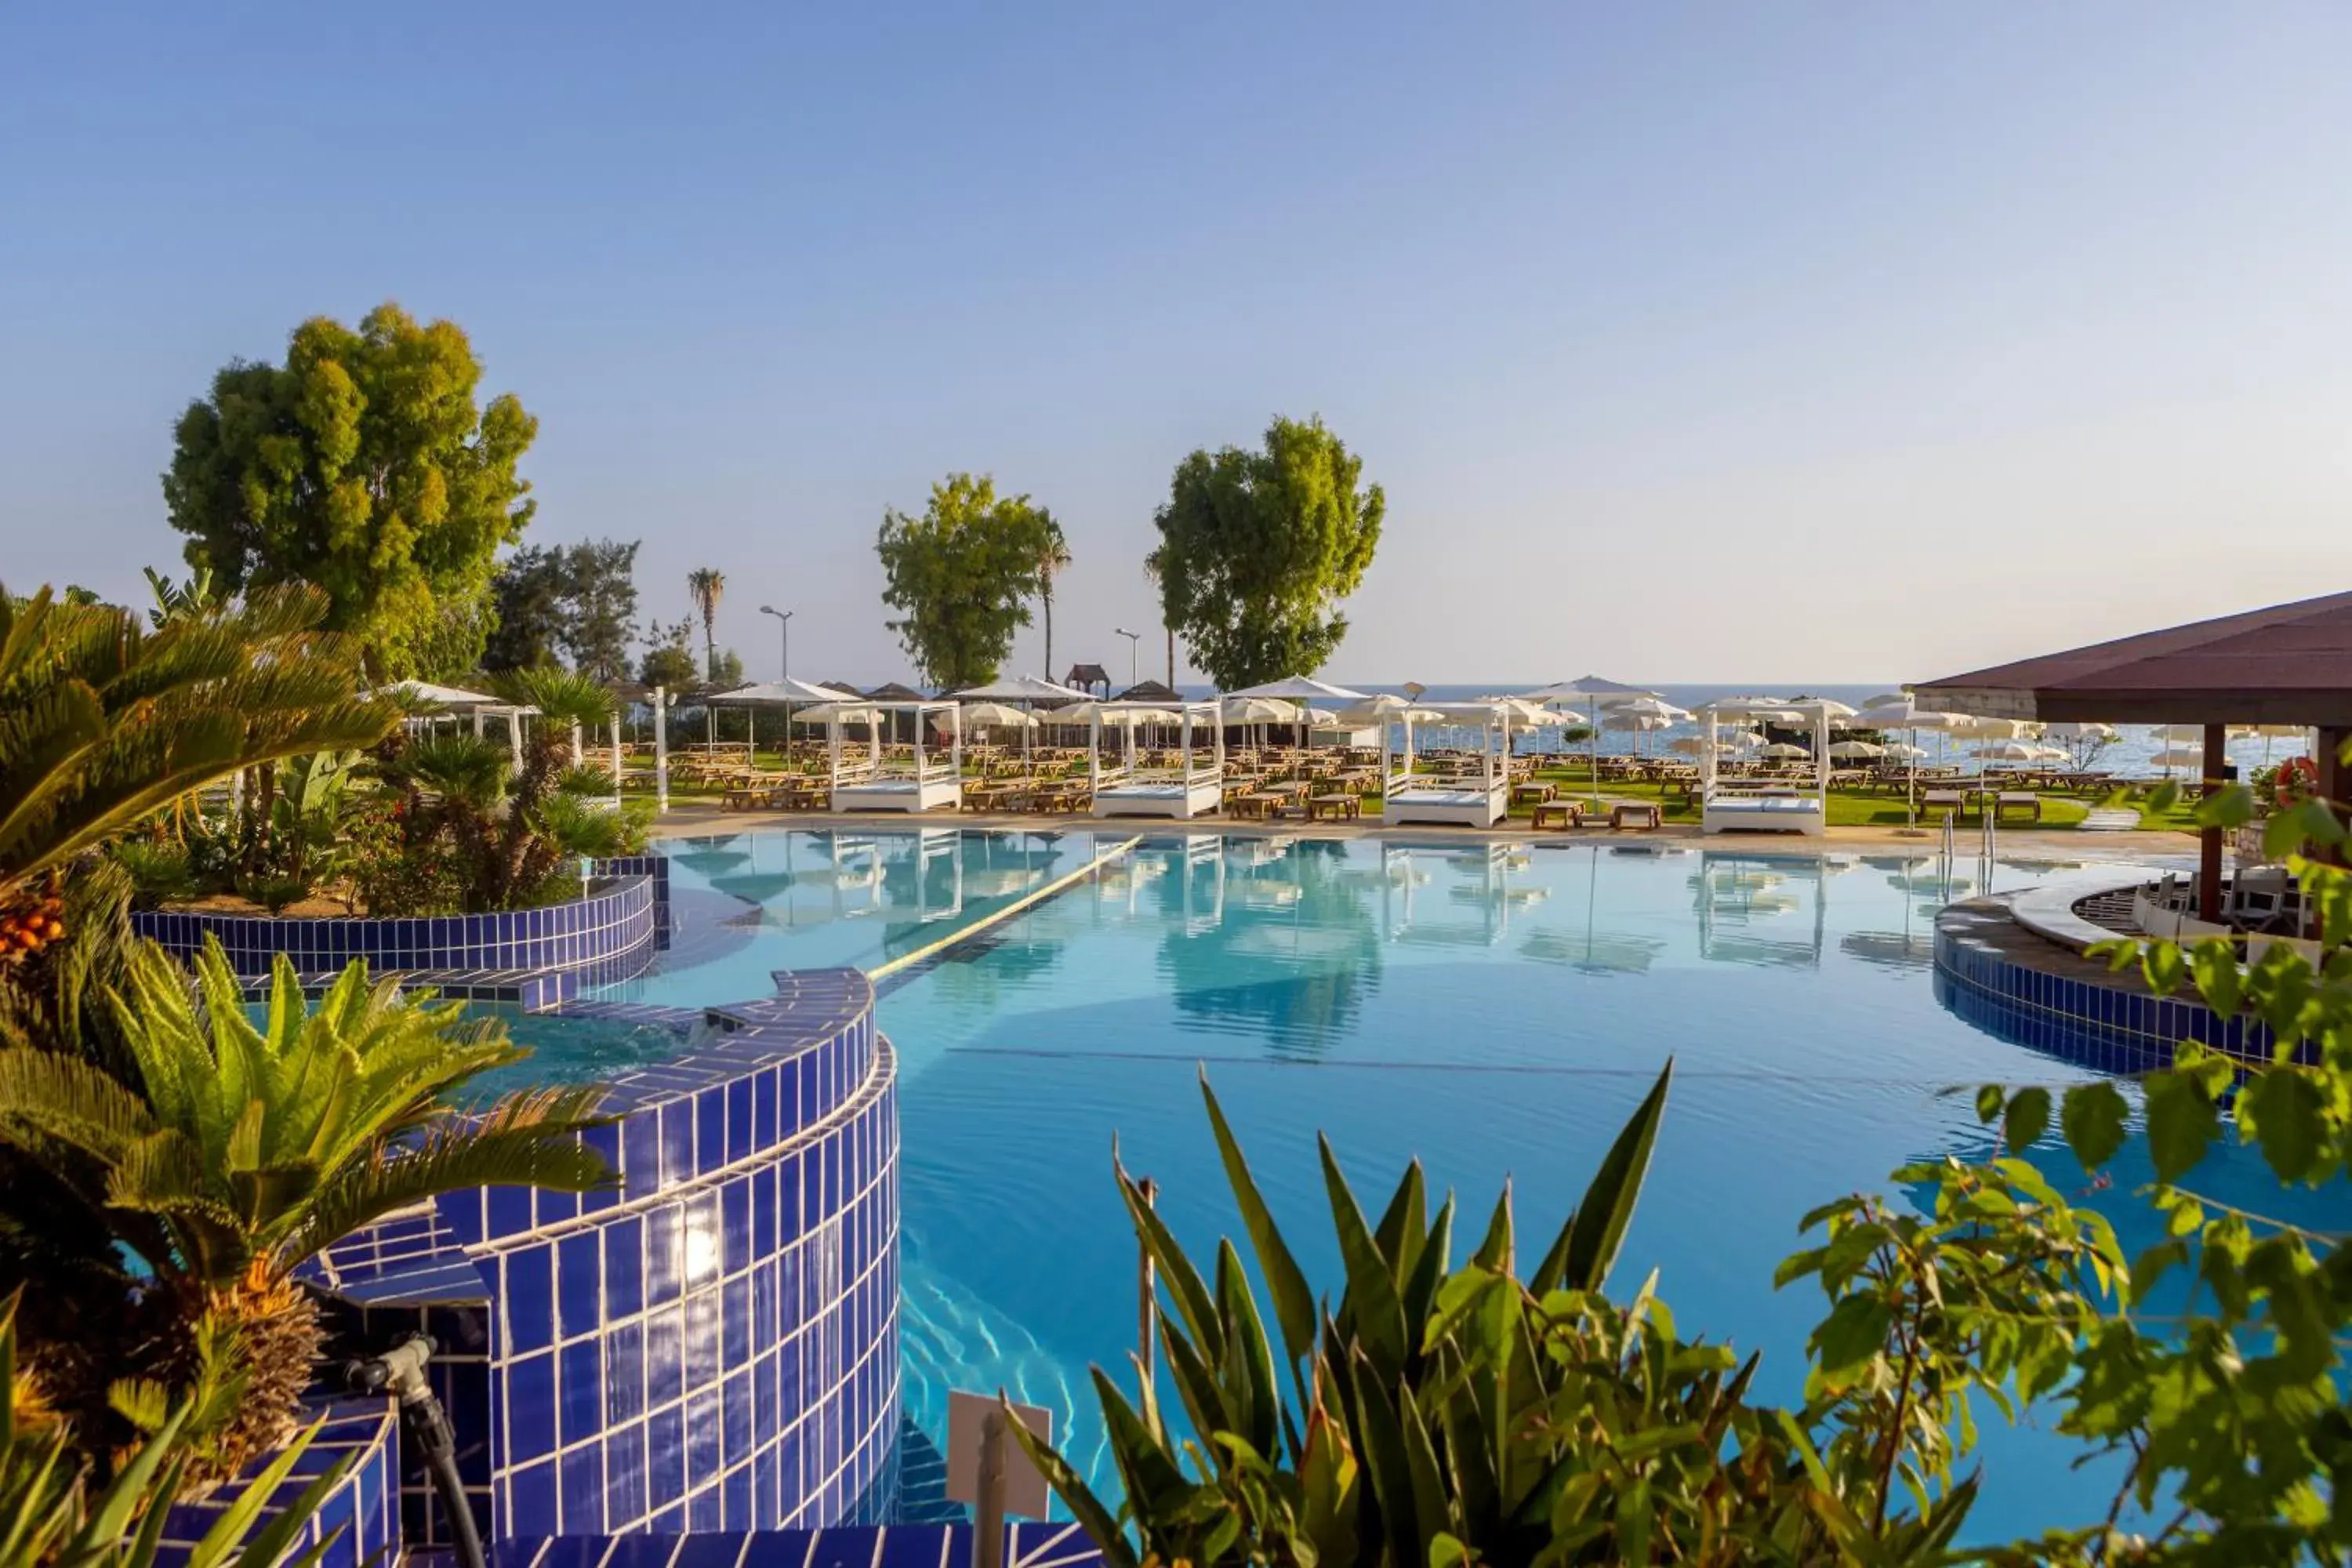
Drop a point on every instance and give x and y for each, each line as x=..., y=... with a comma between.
x=578, y=756
x=478, y=721
x=616, y=758
x=514, y=735
x=661, y=750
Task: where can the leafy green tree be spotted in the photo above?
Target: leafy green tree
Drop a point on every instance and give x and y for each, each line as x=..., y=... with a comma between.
x=961, y=573
x=727, y=668
x=670, y=662
x=599, y=607
x=528, y=596
x=707, y=586
x=1257, y=548
x=366, y=465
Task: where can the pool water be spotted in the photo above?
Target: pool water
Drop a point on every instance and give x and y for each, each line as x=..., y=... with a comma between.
x=1495, y=1010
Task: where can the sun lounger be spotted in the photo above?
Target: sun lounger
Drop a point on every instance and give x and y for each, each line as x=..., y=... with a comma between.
x=2019, y=799
x=1561, y=814
x=1643, y=814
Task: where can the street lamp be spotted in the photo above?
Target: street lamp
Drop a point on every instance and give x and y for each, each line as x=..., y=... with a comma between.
x=784, y=626
x=1133, y=641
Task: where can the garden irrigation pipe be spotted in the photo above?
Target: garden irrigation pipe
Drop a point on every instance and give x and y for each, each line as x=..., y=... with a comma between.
x=399, y=1373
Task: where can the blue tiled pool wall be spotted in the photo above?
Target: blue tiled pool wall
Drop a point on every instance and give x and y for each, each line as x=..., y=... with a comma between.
x=2118, y=1027
x=1028, y=1545
x=714, y=1345
x=624, y=915
x=362, y=1503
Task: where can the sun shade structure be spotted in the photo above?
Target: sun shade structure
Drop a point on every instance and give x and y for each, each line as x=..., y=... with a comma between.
x=1477, y=799
x=921, y=780
x=1193, y=786
x=2289, y=664
x=1302, y=688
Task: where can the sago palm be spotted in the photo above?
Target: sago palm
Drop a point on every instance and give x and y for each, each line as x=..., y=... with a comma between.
x=103, y=721
x=255, y=1145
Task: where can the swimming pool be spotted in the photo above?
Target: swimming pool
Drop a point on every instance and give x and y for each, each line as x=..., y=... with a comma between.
x=1494, y=1010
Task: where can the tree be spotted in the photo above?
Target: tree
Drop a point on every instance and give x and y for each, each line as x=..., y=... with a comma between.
x=599, y=607
x=707, y=586
x=1256, y=549
x=963, y=574
x=363, y=465
x=1053, y=556
x=527, y=596
x=668, y=662
x=727, y=669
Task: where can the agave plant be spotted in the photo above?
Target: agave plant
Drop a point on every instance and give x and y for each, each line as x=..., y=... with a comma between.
x=246, y=1147
x=1442, y=1414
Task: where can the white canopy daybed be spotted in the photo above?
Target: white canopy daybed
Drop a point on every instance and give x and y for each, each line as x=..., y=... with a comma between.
x=1478, y=800
x=1194, y=787
x=874, y=783
x=1764, y=806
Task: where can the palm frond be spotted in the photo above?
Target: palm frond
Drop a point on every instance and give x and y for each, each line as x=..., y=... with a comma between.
x=70, y=1099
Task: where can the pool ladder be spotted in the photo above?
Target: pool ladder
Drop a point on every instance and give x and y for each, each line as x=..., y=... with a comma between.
x=1987, y=844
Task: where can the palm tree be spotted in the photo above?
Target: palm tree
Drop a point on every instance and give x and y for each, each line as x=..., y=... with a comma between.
x=706, y=585
x=245, y=1148
x=105, y=720
x=1052, y=555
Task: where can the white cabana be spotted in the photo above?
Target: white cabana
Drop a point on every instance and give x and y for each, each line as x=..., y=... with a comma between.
x=1480, y=801
x=1730, y=805
x=1195, y=787
x=925, y=781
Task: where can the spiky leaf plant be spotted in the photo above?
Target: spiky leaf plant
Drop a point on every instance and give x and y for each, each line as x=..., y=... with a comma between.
x=246, y=1147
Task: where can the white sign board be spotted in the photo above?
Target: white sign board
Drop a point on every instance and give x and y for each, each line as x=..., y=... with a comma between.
x=1025, y=1492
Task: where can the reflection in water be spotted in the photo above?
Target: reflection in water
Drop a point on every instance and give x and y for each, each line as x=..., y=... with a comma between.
x=1276, y=938
x=1596, y=951
x=1752, y=909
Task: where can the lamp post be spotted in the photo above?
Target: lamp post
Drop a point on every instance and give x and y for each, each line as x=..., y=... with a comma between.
x=784, y=626
x=1133, y=641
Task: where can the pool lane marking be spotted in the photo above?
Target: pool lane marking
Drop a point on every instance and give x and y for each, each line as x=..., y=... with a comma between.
x=1020, y=905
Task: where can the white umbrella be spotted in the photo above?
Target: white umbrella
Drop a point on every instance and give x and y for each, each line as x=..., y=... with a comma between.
x=2083, y=732
x=1906, y=715
x=982, y=714
x=1781, y=751
x=1856, y=750
x=1301, y=689
x=447, y=696
x=1973, y=728
x=2008, y=751
x=2172, y=757
x=779, y=692
x=1642, y=708
x=840, y=713
x=1021, y=688
x=1692, y=747
x=1258, y=710
x=1899, y=749
x=1385, y=709
x=1827, y=706
x=1591, y=690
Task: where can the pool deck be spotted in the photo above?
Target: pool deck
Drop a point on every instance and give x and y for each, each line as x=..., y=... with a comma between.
x=697, y=819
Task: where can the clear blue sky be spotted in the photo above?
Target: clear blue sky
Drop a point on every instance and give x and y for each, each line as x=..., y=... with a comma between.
x=1770, y=342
